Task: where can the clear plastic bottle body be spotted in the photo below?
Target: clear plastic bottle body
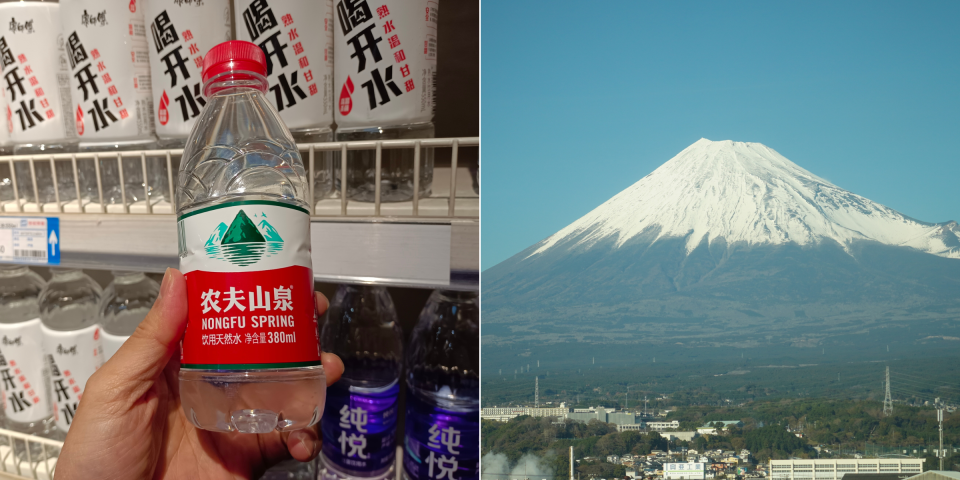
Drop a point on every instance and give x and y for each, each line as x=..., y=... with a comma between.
x=443, y=390
x=19, y=310
x=240, y=151
x=71, y=338
x=396, y=165
x=126, y=302
x=363, y=330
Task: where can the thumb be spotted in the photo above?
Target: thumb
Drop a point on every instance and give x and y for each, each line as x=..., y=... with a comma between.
x=145, y=354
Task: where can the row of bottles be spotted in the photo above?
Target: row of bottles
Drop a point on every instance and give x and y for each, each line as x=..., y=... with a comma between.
x=56, y=334
x=98, y=76
x=52, y=343
x=441, y=372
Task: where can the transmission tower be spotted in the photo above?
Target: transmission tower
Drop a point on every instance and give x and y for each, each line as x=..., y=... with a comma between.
x=536, y=392
x=887, y=401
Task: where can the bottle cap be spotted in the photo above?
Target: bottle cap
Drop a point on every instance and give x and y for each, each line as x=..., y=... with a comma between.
x=233, y=56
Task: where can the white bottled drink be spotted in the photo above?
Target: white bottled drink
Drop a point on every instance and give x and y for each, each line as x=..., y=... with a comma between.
x=27, y=407
x=361, y=423
x=71, y=338
x=126, y=302
x=385, y=63
x=251, y=353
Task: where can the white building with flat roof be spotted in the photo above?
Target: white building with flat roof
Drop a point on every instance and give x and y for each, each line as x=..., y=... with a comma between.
x=835, y=469
x=502, y=414
x=684, y=471
x=661, y=426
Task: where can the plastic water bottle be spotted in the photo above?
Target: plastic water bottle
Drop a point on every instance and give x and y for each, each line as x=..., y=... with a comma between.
x=297, y=41
x=71, y=338
x=385, y=63
x=180, y=33
x=443, y=390
x=40, y=120
x=23, y=372
x=112, y=101
x=126, y=302
x=360, y=426
x=251, y=353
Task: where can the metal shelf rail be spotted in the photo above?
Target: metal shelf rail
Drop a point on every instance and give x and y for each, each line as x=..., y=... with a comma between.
x=428, y=242
x=32, y=457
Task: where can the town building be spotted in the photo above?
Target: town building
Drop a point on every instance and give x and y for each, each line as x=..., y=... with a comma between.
x=684, y=436
x=622, y=418
x=683, y=471
x=503, y=414
x=661, y=426
x=835, y=469
x=710, y=429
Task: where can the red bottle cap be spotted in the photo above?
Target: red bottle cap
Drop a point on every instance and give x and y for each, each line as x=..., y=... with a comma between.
x=233, y=56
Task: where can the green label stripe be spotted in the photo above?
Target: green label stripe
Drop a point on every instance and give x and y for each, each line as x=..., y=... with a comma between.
x=244, y=202
x=248, y=366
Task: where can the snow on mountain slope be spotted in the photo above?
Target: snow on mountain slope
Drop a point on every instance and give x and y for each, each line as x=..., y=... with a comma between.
x=747, y=192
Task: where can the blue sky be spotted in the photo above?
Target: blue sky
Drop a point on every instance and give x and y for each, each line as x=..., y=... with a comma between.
x=582, y=99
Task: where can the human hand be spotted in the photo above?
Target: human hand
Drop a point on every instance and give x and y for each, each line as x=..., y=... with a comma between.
x=130, y=424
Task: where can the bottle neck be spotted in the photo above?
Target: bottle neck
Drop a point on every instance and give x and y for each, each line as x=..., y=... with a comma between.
x=13, y=270
x=126, y=278
x=234, y=82
x=65, y=273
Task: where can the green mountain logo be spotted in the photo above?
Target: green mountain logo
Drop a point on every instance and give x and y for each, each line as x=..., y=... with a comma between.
x=242, y=230
x=244, y=243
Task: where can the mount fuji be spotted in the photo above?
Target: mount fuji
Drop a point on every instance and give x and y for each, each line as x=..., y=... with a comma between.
x=727, y=244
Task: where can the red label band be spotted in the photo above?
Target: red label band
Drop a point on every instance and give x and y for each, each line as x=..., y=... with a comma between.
x=250, y=320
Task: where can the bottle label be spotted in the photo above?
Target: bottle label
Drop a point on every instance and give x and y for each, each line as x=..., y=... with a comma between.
x=23, y=373
x=72, y=358
x=110, y=81
x=111, y=343
x=441, y=444
x=249, y=287
x=181, y=33
x=360, y=427
x=385, y=62
x=33, y=59
x=299, y=52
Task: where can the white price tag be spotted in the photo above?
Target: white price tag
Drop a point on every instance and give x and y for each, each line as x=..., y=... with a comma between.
x=30, y=240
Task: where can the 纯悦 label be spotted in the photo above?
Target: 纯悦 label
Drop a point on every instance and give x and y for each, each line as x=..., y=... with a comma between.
x=249, y=287
x=440, y=444
x=360, y=427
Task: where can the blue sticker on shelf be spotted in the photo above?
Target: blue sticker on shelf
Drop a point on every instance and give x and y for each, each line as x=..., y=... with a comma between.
x=34, y=240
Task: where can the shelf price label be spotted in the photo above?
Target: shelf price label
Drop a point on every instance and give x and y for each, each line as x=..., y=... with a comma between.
x=34, y=240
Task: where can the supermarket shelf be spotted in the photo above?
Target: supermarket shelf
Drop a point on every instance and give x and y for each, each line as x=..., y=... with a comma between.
x=67, y=188
x=431, y=242
x=429, y=253
x=32, y=458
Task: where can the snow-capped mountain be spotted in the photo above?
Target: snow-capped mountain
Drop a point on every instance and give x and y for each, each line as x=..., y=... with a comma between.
x=747, y=192
x=727, y=244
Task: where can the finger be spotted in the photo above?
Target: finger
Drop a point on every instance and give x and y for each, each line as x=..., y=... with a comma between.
x=146, y=353
x=304, y=444
x=332, y=367
x=321, y=302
